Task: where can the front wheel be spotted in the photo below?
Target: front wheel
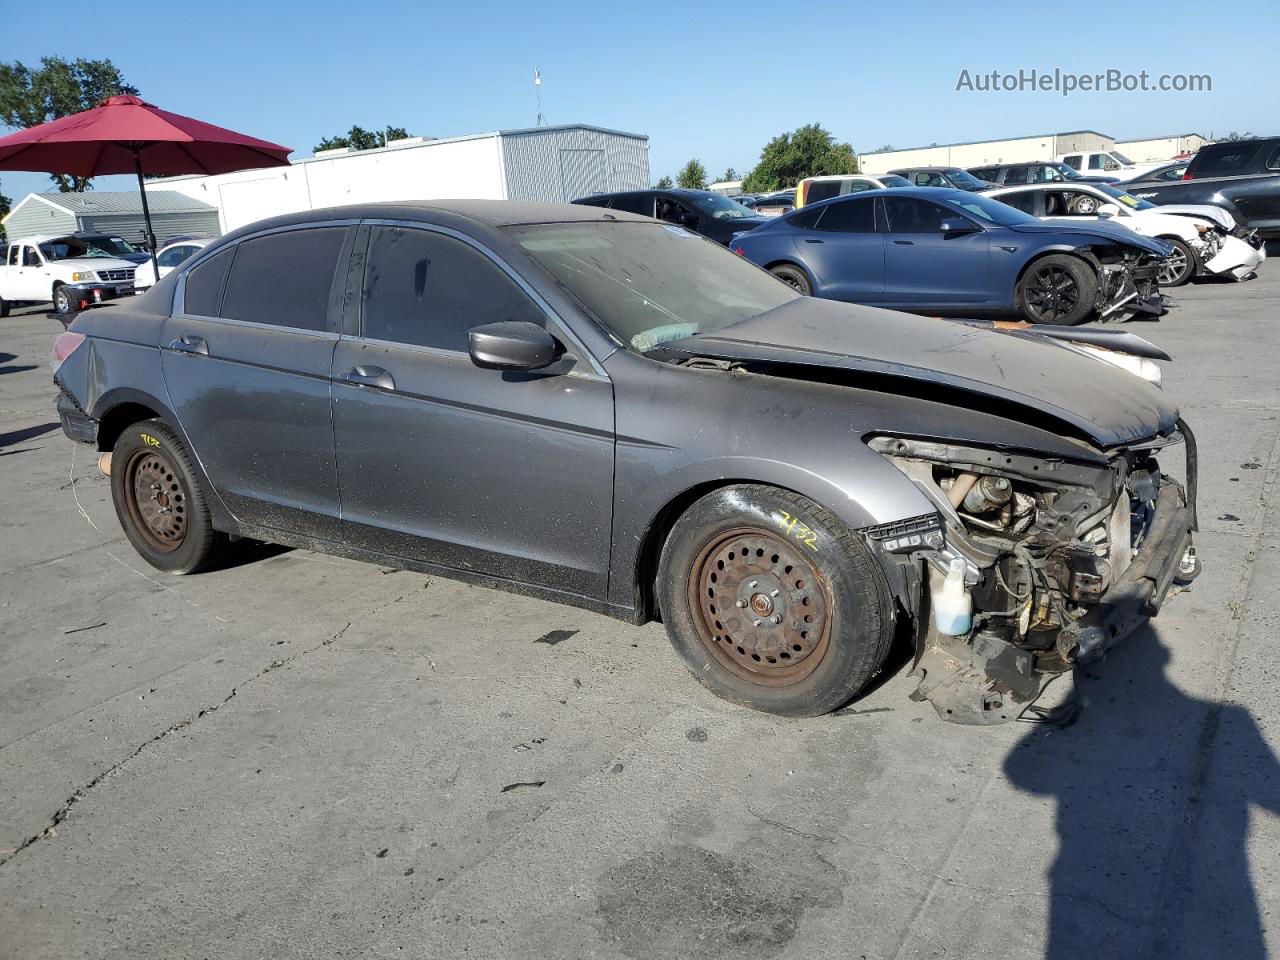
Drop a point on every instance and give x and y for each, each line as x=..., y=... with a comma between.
x=1180, y=266
x=64, y=304
x=772, y=602
x=1057, y=289
x=159, y=501
x=793, y=277
x=4, y=308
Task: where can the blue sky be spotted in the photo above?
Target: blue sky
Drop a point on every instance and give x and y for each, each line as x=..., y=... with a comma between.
x=709, y=81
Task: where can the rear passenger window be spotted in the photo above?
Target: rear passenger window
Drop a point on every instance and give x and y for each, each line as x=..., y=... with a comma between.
x=427, y=289
x=807, y=218
x=851, y=216
x=284, y=279
x=1224, y=161
x=634, y=203
x=1273, y=161
x=822, y=190
x=204, y=284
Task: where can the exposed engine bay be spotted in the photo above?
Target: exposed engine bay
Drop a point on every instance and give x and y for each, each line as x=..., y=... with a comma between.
x=1031, y=565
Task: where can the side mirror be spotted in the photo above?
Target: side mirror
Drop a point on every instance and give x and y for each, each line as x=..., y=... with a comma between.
x=957, y=227
x=512, y=345
x=1108, y=210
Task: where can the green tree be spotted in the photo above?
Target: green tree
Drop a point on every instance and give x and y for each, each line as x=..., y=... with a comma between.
x=358, y=138
x=30, y=96
x=664, y=183
x=728, y=176
x=692, y=176
x=788, y=158
x=1233, y=135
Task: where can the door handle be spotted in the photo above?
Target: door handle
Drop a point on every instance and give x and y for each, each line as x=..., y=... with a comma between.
x=371, y=377
x=190, y=344
x=813, y=240
x=905, y=243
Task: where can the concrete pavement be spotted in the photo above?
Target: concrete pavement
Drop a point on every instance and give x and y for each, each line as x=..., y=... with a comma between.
x=299, y=756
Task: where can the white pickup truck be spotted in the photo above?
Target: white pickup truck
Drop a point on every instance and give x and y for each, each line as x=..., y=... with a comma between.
x=67, y=271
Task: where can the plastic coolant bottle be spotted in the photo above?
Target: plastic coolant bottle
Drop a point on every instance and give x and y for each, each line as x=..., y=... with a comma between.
x=952, y=605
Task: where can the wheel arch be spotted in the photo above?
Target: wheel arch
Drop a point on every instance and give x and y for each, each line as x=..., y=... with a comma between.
x=1059, y=250
x=788, y=262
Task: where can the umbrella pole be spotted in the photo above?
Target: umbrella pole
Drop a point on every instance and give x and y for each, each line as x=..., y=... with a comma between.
x=146, y=215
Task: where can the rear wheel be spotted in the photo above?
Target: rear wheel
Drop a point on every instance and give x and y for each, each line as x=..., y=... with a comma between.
x=4, y=307
x=793, y=277
x=1180, y=266
x=1057, y=289
x=64, y=304
x=159, y=501
x=772, y=602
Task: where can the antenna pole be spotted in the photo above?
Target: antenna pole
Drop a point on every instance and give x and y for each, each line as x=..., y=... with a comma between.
x=537, y=87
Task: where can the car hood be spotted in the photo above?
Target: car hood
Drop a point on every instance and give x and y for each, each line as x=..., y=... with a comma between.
x=1106, y=405
x=1097, y=229
x=94, y=263
x=1207, y=211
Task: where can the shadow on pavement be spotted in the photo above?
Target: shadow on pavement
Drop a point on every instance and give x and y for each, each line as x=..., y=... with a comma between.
x=26, y=433
x=1153, y=791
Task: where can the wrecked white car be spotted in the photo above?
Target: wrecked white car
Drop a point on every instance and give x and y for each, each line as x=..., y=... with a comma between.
x=1205, y=238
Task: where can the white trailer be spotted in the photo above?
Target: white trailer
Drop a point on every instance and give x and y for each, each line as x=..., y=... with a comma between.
x=555, y=164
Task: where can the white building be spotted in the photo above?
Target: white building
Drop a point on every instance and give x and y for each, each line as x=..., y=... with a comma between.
x=1156, y=149
x=557, y=163
x=1044, y=146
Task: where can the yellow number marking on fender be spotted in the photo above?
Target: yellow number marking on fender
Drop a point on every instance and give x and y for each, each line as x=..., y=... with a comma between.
x=149, y=440
x=796, y=529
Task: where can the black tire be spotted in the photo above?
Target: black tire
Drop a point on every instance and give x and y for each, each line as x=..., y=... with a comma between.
x=793, y=277
x=802, y=567
x=159, y=500
x=1057, y=289
x=4, y=308
x=64, y=304
x=1180, y=267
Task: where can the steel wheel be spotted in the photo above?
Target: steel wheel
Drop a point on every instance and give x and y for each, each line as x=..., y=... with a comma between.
x=761, y=607
x=1052, y=293
x=157, y=500
x=63, y=302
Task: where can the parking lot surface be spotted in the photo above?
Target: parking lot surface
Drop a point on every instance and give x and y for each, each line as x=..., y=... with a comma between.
x=301, y=756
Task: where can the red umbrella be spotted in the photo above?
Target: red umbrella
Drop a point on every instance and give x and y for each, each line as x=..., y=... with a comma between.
x=128, y=135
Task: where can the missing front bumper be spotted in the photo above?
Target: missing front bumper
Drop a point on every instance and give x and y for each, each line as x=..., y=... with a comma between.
x=979, y=680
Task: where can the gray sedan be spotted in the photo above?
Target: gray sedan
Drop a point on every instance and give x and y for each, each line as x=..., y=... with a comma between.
x=604, y=410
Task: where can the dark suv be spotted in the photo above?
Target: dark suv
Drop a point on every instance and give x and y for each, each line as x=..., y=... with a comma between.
x=1242, y=176
x=701, y=211
x=1016, y=174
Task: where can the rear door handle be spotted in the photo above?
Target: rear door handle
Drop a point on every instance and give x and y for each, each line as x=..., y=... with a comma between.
x=905, y=243
x=371, y=377
x=190, y=344
x=812, y=240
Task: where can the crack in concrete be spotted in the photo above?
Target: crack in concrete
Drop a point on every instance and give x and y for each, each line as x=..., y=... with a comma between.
x=61, y=814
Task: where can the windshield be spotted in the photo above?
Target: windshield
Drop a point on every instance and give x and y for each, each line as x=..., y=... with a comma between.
x=721, y=208
x=1128, y=199
x=963, y=178
x=1120, y=157
x=893, y=180
x=75, y=248
x=650, y=283
x=1068, y=173
x=989, y=210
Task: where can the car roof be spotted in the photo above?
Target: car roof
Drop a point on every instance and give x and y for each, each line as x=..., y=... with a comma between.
x=845, y=176
x=926, y=169
x=188, y=242
x=489, y=213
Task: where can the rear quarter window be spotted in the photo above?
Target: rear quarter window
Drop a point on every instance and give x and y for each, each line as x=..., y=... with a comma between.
x=822, y=190
x=1223, y=160
x=204, y=284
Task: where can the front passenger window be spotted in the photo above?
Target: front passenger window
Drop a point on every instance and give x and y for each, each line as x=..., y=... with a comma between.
x=427, y=289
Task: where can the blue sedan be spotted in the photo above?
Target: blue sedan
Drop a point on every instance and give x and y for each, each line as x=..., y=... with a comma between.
x=953, y=253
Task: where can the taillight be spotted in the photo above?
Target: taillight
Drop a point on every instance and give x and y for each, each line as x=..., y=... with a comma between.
x=739, y=251
x=1187, y=175
x=64, y=344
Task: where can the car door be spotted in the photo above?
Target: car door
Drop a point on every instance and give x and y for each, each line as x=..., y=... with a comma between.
x=922, y=266
x=35, y=281
x=839, y=244
x=506, y=474
x=247, y=358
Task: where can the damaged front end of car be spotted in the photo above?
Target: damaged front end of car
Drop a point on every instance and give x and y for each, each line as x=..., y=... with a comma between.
x=1032, y=565
x=1128, y=284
